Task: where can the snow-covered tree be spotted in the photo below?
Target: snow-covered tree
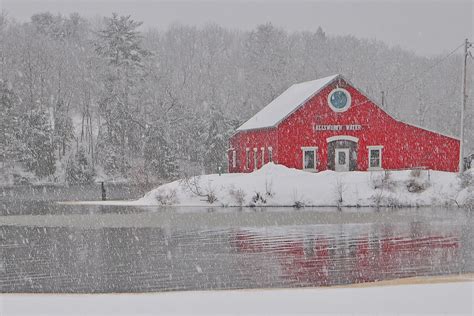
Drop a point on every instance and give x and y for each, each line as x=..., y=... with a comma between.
x=119, y=44
x=79, y=169
x=160, y=158
x=216, y=143
x=37, y=145
x=9, y=124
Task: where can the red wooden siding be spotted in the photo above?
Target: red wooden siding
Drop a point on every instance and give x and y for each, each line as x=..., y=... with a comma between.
x=404, y=145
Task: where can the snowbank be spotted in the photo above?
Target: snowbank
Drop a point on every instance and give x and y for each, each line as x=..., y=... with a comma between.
x=443, y=298
x=276, y=185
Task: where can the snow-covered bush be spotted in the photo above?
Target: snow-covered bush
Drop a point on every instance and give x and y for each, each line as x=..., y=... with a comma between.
x=377, y=197
x=417, y=182
x=298, y=200
x=466, y=179
x=382, y=180
x=258, y=199
x=298, y=204
x=339, y=189
x=166, y=196
x=415, y=173
x=193, y=185
x=269, y=188
x=469, y=202
x=238, y=195
x=416, y=185
x=210, y=194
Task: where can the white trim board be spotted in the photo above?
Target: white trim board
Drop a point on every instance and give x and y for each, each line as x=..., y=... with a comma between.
x=315, y=151
x=342, y=137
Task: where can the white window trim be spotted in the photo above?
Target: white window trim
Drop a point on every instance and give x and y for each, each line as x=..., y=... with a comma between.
x=342, y=137
x=234, y=159
x=270, y=154
x=255, y=159
x=315, y=150
x=247, y=158
x=263, y=155
x=379, y=148
x=349, y=100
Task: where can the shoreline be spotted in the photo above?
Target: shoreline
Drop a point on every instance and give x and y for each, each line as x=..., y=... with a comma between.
x=418, y=280
x=139, y=204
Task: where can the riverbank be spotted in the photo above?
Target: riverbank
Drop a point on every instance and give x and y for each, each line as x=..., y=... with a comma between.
x=276, y=185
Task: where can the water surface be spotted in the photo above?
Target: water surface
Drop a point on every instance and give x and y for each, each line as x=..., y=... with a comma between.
x=96, y=249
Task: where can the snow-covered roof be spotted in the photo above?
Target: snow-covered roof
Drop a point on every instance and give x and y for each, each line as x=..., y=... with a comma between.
x=286, y=103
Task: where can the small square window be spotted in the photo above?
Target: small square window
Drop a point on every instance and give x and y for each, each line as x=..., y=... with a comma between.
x=309, y=158
x=375, y=157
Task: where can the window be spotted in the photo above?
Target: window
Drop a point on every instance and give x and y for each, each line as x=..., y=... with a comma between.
x=234, y=159
x=342, y=158
x=247, y=158
x=263, y=155
x=375, y=157
x=270, y=154
x=255, y=159
x=309, y=158
x=339, y=100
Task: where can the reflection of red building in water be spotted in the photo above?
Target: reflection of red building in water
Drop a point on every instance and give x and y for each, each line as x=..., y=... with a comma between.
x=326, y=261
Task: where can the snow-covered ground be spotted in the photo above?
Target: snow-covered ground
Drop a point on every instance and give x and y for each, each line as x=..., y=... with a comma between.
x=414, y=299
x=276, y=185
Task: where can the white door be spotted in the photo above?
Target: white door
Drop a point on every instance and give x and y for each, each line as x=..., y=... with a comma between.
x=342, y=159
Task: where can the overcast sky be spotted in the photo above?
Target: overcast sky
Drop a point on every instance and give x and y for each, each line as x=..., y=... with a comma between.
x=424, y=26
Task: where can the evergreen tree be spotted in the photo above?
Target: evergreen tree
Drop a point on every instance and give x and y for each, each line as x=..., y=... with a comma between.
x=119, y=44
x=63, y=129
x=160, y=160
x=37, y=145
x=216, y=143
x=79, y=168
x=9, y=124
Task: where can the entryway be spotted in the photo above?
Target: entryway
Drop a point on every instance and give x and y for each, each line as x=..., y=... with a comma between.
x=342, y=153
x=341, y=162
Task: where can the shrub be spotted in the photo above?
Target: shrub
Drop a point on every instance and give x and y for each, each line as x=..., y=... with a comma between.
x=377, y=197
x=415, y=173
x=269, y=188
x=238, y=195
x=210, y=194
x=382, y=180
x=416, y=183
x=258, y=198
x=166, y=196
x=466, y=179
x=193, y=185
x=298, y=201
x=298, y=204
x=339, y=189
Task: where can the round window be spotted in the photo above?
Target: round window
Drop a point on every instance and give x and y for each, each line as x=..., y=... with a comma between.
x=339, y=100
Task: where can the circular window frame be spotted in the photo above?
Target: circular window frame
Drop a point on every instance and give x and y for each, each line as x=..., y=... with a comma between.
x=349, y=100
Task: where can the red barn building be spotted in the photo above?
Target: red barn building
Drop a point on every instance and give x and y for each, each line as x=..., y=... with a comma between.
x=329, y=124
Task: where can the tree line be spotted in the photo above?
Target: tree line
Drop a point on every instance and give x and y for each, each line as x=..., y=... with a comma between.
x=84, y=98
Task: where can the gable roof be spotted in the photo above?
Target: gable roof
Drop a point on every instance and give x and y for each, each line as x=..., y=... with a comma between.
x=296, y=96
x=286, y=103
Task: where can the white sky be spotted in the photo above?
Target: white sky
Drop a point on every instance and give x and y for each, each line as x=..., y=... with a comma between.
x=424, y=26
